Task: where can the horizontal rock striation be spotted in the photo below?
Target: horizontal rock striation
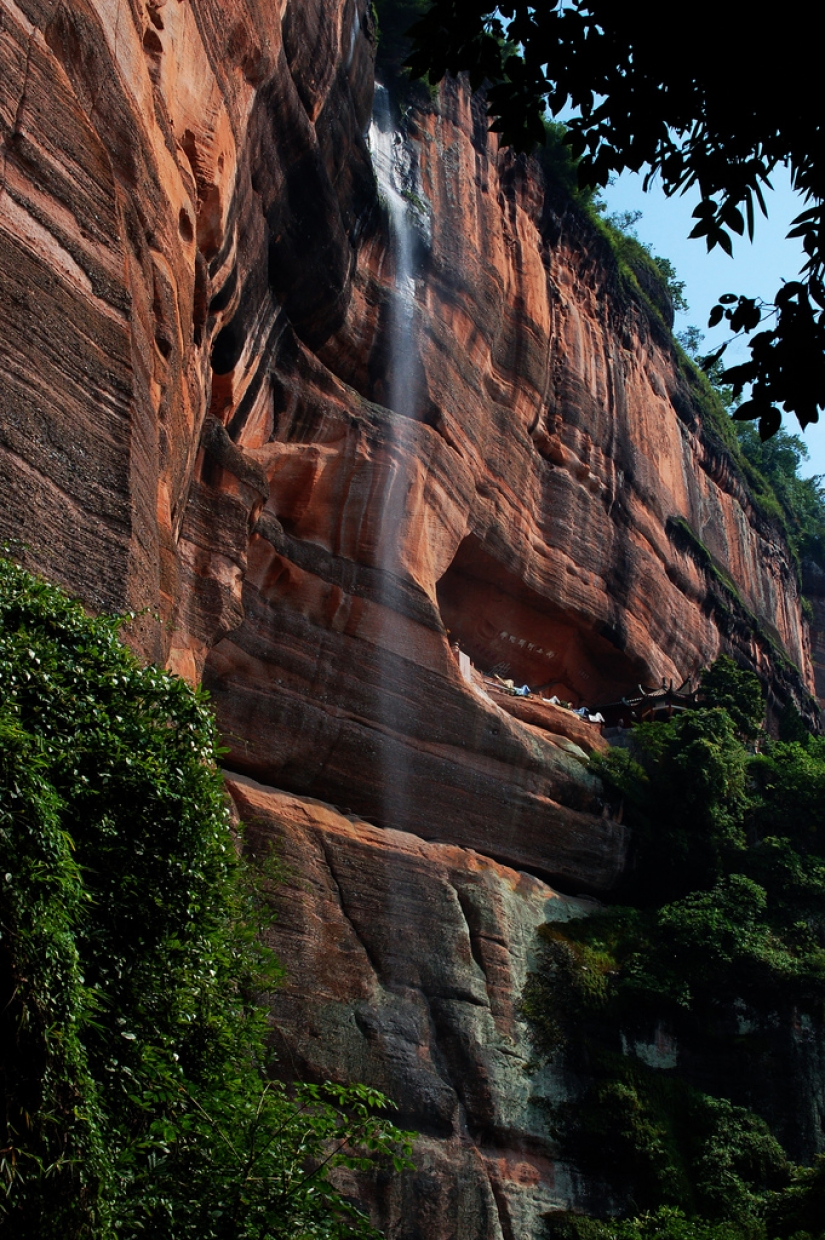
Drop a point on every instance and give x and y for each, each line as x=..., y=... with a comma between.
x=548, y=487
x=159, y=163
x=199, y=338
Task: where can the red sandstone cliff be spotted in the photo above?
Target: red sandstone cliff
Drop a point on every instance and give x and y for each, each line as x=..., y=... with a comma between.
x=199, y=310
x=418, y=953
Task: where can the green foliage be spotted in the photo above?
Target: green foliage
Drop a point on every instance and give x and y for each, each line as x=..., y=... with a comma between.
x=643, y=273
x=52, y=1111
x=690, y=340
x=574, y=984
x=657, y=1141
x=675, y=286
x=252, y=1159
x=697, y=120
x=790, y=777
x=771, y=467
x=560, y=169
x=738, y=692
x=666, y=1223
x=135, y=1089
x=799, y=1212
x=666, y=1014
x=656, y=276
x=792, y=726
x=714, y=943
x=629, y=1121
x=687, y=786
x=779, y=460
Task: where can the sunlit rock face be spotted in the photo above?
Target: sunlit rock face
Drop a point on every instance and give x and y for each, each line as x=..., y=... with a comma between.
x=317, y=428
x=542, y=488
x=417, y=955
x=160, y=162
x=321, y=426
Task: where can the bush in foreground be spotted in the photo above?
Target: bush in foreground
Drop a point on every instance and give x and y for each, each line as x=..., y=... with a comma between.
x=135, y=1091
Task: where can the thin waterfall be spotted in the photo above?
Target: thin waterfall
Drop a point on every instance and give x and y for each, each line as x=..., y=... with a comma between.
x=392, y=164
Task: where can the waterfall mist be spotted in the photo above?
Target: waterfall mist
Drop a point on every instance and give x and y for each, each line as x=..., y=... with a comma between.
x=392, y=164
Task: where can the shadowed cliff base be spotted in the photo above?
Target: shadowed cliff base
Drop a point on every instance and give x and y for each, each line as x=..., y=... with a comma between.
x=418, y=954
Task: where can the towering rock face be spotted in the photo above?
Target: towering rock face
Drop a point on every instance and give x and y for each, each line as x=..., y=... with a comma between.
x=158, y=160
x=321, y=427
x=813, y=581
x=542, y=487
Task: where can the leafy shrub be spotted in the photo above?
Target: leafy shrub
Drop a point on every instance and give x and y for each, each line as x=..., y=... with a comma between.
x=687, y=787
x=654, y=276
x=252, y=1159
x=737, y=692
x=135, y=1090
x=51, y=1108
x=666, y=1223
x=722, y=941
x=791, y=782
x=799, y=1212
x=670, y=1016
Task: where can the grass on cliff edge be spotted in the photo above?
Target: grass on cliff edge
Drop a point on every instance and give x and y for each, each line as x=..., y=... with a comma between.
x=690, y=1015
x=136, y=1099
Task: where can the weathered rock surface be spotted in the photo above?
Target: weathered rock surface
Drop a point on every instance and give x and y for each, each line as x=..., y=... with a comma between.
x=201, y=295
x=558, y=720
x=813, y=583
x=197, y=343
x=417, y=955
x=159, y=164
x=550, y=495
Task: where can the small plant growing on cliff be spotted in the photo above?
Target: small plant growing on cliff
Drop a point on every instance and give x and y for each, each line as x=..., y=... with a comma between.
x=133, y=1064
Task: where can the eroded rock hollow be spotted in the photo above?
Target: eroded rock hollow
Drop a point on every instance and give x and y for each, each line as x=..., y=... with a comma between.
x=320, y=391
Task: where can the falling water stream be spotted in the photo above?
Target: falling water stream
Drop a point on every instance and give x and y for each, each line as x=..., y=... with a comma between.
x=392, y=164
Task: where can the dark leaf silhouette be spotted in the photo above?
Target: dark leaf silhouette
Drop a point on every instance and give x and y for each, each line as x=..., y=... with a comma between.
x=699, y=120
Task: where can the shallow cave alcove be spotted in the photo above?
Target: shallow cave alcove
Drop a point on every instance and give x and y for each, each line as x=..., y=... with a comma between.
x=510, y=629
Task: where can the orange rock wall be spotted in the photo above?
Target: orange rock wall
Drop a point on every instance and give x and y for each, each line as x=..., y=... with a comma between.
x=551, y=498
x=199, y=308
x=142, y=147
x=197, y=280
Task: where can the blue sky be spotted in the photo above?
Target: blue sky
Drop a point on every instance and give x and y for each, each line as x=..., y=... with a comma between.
x=756, y=268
